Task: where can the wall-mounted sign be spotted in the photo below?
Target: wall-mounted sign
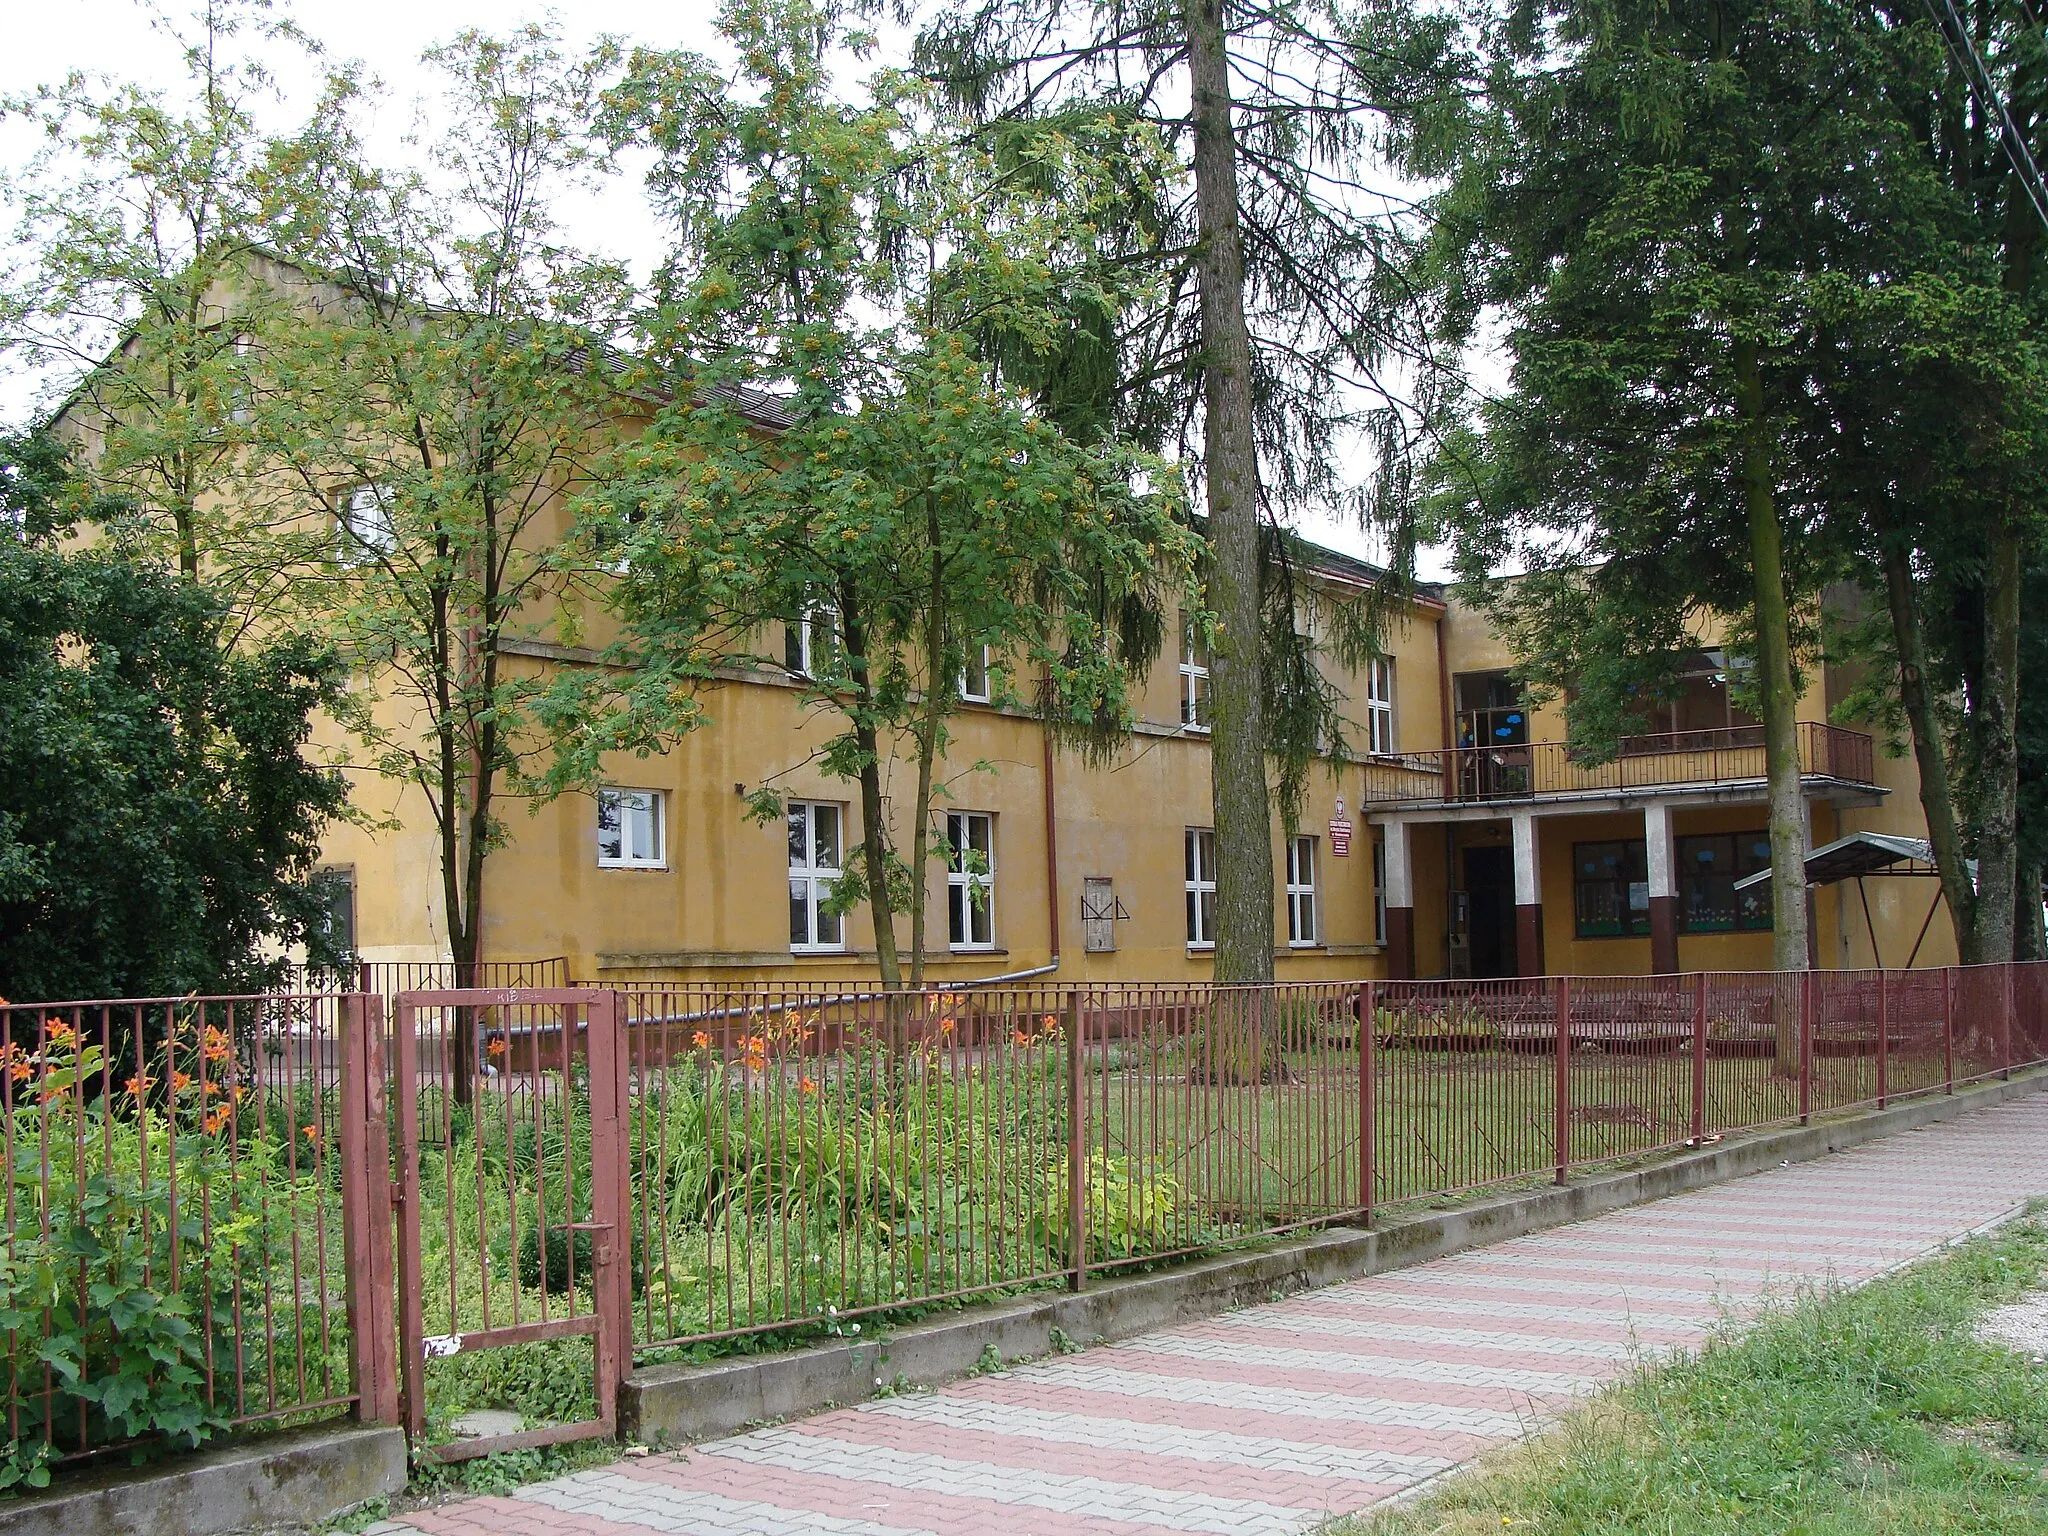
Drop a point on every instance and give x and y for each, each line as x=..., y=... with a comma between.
x=1340, y=832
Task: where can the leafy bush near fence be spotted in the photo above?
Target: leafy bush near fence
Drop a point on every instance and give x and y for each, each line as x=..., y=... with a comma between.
x=151, y=1226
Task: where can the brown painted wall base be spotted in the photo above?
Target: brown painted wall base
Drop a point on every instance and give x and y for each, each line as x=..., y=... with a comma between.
x=1529, y=940
x=1664, y=935
x=1400, y=943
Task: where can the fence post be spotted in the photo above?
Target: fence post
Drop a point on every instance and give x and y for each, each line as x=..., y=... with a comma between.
x=2005, y=1021
x=1948, y=1029
x=1562, y=1130
x=1077, y=1147
x=1883, y=1029
x=366, y=1212
x=1699, y=1059
x=1368, y=1132
x=1805, y=1046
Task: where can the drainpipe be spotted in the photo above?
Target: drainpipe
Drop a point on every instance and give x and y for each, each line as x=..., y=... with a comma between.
x=1052, y=860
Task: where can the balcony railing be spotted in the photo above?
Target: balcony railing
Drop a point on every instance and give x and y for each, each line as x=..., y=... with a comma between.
x=1732, y=754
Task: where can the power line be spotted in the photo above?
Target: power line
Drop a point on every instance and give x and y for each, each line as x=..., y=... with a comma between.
x=1964, y=49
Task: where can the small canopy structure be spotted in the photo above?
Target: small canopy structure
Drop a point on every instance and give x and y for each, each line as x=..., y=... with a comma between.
x=1870, y=853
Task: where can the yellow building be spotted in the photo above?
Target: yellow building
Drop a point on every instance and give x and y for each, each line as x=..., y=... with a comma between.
x=1459, y=840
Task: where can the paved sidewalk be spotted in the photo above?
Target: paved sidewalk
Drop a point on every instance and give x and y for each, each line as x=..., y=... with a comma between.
x=1274, y=1418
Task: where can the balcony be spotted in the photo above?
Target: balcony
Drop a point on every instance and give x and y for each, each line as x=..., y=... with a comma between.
x=1669, y=760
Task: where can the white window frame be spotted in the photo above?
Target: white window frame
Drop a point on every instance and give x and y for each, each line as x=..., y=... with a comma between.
x=1303, y=909
x=1379, y=891
x=1198, y=847
x=650, y=800
x=964, y=912
x=357, y=547
x=1379, y=706
x=819, y=620
x=815, y=879
x=1194, y=681
x=976, y=681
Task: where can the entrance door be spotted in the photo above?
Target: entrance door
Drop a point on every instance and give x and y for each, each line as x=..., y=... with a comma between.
x=512, y=1167
x=1490, y=889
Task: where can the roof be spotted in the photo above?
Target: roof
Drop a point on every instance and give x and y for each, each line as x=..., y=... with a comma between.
x=1860, y=854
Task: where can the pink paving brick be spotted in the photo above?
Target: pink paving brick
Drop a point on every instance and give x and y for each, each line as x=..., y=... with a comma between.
x=1270, y=1419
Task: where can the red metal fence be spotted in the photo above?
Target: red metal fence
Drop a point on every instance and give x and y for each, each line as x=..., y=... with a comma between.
x=320, y=1202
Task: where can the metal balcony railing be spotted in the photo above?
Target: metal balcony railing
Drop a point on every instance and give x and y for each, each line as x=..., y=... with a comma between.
x=1669, y=759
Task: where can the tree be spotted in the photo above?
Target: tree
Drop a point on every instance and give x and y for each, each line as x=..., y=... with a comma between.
x=446, y=380
x=839, y=454
x=1664, y=205
x=159, y=816
x=140, y=217
x=1282, y=316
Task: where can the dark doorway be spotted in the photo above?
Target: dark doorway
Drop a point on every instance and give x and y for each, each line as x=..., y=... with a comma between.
x=1490, y=888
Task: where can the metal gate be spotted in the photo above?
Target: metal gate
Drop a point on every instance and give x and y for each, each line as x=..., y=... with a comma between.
x=512, y=1227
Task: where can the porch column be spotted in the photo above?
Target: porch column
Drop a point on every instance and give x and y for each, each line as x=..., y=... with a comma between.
x=1528, y=897
x=1663, y=889
x=1400, y=903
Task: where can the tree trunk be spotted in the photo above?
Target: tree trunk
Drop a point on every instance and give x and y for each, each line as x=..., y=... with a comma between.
x=1937, y=800
x=1779, y=699
x=1998, y=751
x=874, y=834
x=1241, y=797
x=2029, y=934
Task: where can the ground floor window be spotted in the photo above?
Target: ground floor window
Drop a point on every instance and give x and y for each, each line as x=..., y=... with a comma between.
x=1201, y=888
x=1611, y=888
x=815, y=865
x=971, y=879
x=629, y=830
x=1301, y=891
x=1708, y=868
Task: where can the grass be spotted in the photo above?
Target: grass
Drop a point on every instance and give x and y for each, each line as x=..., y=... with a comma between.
x=1848, y=1414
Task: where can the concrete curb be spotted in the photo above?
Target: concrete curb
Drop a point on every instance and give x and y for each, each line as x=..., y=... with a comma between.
x=702, y=1402
x=301, y=1476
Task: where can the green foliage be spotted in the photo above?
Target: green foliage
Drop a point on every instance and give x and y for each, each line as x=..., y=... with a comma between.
x=1131, y=1210
x=159, y=818
x=1876, y=1411
x=841, y=445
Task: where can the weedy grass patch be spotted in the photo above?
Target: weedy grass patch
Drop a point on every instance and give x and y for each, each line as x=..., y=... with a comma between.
x=1836, y=1414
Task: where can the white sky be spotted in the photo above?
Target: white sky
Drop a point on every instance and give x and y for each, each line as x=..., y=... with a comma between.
x=47, y=39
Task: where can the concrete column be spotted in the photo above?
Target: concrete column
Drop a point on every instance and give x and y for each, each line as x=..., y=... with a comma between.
x=1663, y=889
x=1528, y=896
x=1400, y=903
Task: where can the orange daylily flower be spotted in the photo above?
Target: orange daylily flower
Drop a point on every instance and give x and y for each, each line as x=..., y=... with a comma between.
x=139, y=1084
x=701, y=1040
x=497, y=1047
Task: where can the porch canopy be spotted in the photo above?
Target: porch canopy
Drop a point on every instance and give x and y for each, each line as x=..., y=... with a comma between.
x=1869, y=853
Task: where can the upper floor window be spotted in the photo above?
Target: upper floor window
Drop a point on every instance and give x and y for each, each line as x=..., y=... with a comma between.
x=1301, y=892
x=1379, y=706
x=806, y=642
x=971, y=879
x=1611, y=888
x=629, y=829
x=368, y=531
x=1708, y=868
x=974, y=676
x=816, y=862
x=1194, y=679
x=1200, y=848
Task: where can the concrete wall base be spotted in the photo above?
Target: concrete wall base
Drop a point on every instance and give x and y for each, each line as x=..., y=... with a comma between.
x=293, y=1477
x=701, y=1402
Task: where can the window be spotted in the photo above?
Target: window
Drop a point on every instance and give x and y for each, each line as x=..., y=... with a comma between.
x=1301, y=892
x=1379, y=706
x=367, y=531
x=629, y=829
x=1194, y=679
x=1379, y=892
x=336, y=922
x=1611, y=888
x=974, y=676
x=1708, y=868
x=815, y=863
x=1201, y=866
x=807, y=642
x=971, y=879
